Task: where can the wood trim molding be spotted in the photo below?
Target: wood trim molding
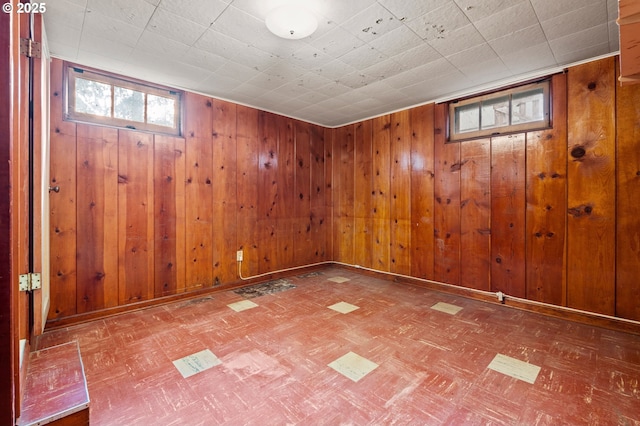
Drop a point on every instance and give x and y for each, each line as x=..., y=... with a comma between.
x=561, y=312
x=7, y=298
x=629, y=23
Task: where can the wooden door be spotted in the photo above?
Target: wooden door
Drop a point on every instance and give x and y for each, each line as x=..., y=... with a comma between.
x=21, y=216
x=42, y=189
x=14, y=207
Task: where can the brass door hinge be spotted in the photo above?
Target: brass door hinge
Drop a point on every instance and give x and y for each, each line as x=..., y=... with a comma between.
x=28, y=282
x=30, y=48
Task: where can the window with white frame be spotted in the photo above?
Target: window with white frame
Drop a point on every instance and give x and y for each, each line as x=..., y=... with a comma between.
x=513, y=110
x=102, y=98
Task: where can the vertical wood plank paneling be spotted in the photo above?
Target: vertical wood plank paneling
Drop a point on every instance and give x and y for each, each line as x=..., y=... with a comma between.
x=285, y=223
x=344, y=193
x=400, y=193
x=319, y=213
x=97, y=218
x=628, y=205
x=303, y=235
x=508, y=214
x=169, y=217
x=422, y=187
x=337, y=136
x=247, y=150
x=198, y=191
x=135, y=217
x=329, y=173
x=356, y=193
x=267, y=193
x=591, y=187
x=224, y=172
x=475, y=214
x=197, y=116
x=181, y=215
x=363, y=233
x=62, y=208
x=447, y=203
x=547, y=204
x=224, y=192
x=380, y=194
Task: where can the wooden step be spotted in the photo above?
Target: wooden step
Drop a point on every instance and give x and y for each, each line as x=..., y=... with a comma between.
x=56, y=388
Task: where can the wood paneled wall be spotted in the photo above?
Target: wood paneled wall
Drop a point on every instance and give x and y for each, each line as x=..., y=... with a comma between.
x=141, y=216
x=550, y=216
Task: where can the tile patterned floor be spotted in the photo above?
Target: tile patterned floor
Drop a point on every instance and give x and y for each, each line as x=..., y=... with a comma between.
x=58, y=390
x=432, y=366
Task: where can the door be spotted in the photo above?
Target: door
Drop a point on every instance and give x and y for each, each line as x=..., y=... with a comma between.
x=21, y=215
x=29, y=165
x=40, y=180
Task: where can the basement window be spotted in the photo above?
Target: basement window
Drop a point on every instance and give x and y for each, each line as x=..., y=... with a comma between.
x=514, y=110
x=102, y=98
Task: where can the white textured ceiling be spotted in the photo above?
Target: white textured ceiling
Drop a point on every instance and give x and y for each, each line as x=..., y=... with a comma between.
x=367, y=57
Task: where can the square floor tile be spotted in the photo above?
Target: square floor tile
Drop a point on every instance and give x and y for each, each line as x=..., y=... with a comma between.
x=193, y=364
x=446, y=308
x=343, y=307
x=353, y=366
x=339, y=279
x=242, y=305
x=515, y=368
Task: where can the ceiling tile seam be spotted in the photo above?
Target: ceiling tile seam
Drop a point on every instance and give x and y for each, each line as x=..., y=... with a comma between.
x=84, y=18
x=546, y=37
x=497, y=62
x=404, y=22
x=483, y=38
x=609, y=20
x=146, y=26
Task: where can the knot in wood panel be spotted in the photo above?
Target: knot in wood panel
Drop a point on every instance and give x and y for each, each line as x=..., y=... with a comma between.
x=578, y=152
x=581, y=210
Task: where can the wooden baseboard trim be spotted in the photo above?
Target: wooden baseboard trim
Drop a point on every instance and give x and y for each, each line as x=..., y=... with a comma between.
x=194, y=294
x=562, y=312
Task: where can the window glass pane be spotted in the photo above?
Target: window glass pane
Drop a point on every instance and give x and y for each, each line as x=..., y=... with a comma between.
x=467, y=118
x=527, y=106
x=160, y=111
x=128, y=104
x=93, y=97
x=495, y=112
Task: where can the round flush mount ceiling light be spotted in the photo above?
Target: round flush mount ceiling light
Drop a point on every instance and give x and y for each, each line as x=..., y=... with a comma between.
x=291, y=22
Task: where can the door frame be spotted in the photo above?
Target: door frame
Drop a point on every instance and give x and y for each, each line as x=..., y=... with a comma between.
x=16, y=175
x=40, y=178
x=8, y=267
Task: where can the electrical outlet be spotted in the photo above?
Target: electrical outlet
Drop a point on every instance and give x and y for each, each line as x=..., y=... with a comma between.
x=239, y=255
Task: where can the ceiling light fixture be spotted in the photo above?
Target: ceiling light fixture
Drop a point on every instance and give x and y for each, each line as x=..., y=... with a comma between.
x=291, y=22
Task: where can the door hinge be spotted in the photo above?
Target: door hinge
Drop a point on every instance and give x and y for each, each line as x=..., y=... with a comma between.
x=30, y=48
x=28, y=282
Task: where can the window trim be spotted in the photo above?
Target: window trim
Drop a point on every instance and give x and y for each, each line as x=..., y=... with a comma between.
x=545, y=123
x=71, y=71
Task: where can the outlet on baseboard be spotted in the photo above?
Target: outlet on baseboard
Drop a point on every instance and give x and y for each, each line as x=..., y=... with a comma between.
x=239, y=255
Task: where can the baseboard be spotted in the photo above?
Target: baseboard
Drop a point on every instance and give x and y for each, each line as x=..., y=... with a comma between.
x=562, y=312
x=54, y=324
